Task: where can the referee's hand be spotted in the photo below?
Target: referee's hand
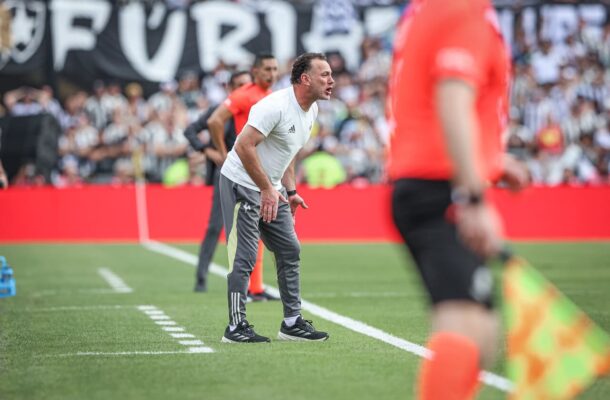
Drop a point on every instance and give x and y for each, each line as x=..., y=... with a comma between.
x=480, y=228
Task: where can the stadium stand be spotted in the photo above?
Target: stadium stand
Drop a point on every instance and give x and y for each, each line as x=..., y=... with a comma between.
x=115, y=130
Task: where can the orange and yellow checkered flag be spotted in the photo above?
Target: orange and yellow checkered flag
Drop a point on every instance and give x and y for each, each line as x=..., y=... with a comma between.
x=554, y=350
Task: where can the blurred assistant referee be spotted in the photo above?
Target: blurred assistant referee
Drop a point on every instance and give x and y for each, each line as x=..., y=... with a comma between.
x=448, y=106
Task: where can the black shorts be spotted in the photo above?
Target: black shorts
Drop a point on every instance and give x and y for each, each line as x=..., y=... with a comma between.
x=449, y=269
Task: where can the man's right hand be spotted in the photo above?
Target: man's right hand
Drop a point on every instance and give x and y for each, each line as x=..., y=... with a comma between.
x=270, y=199
x=480, y=228
x=223, y=157
x=214, y=155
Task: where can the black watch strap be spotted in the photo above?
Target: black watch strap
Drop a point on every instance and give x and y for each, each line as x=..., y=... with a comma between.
x=464, y=197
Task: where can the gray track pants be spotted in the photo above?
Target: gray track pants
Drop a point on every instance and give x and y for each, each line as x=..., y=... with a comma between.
x=208, y=245
x=243, y=227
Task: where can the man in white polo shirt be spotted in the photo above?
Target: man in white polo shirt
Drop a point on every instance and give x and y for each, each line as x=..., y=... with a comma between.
x=259, y=199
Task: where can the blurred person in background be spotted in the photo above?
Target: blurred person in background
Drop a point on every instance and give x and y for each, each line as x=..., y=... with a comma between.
x=190, y=94
x=163, y=100
x=214, y=84
x=137, y=108
x=74, y=107
x=69, y=175
x=359, y=150
x=376, y=62
x=320, y=167
x=448, y=110
x=237, y=106
x=78, y=143
x=111, y=145
x=94, y=108
x=164, y=144
x=192, y=132
x=49, y=103
x=546, y=62
x=23, y=102
x=112, y=98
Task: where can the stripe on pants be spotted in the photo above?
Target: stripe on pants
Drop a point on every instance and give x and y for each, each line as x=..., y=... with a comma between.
x=232, y=242
x=235, y=314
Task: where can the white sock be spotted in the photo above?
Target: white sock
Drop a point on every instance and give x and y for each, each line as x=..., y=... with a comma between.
x=232, y=327
x=290, y=321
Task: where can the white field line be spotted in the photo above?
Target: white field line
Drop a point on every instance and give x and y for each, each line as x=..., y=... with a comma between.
x=153, y=312
x=172, y=328
x=194, y=346
x=182, y=335
x=75, y=308
x=165, y=322
x=159, y=317
x=191, y=350
x=64, y=292
x=371, y=295
x=191, y=342
x=114, y=281
x=486, y=377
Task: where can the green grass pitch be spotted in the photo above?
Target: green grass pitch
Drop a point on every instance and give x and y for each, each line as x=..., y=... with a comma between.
x=65, y=308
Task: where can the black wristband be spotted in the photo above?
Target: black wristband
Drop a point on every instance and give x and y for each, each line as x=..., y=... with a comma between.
x=291, y=192
x=466, y=198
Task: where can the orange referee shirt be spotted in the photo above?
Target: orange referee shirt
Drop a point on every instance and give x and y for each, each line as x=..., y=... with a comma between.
x=436, y=40
x=241, y=101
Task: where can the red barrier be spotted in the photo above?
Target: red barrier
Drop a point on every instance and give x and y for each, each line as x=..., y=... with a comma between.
x=95, y=213
x=79, y=214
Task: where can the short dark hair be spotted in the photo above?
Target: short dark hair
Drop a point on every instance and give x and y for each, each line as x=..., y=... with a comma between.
x=302, y=64
x=260, y=57
x=236, y=75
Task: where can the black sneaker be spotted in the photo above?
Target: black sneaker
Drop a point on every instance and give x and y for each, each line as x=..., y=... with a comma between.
x=243, y=333
x=302, y=331
x=262, y=296
x=201, y=286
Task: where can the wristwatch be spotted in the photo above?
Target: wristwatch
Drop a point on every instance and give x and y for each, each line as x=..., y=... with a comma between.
x=464, y=197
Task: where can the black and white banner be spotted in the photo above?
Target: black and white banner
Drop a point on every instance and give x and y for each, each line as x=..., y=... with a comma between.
x=87, y=39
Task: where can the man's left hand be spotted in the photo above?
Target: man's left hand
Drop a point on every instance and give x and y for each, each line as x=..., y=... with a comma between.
x=296, y=201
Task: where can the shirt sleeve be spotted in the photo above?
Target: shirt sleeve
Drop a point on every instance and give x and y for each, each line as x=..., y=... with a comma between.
x=235, y=102
x=462, y=52
x=264, y=116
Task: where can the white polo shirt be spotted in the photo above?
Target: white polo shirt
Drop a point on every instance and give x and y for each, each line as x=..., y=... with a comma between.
x=286, y=128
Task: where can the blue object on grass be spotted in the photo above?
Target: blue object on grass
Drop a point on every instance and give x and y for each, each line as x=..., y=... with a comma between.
x=7, y=282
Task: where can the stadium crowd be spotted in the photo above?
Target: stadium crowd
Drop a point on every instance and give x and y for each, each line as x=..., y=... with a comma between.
x=559, y=123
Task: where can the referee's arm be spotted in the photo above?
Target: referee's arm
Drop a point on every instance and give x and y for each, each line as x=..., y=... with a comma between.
x=216, y=122
x=477, y=221
x=455, y=103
